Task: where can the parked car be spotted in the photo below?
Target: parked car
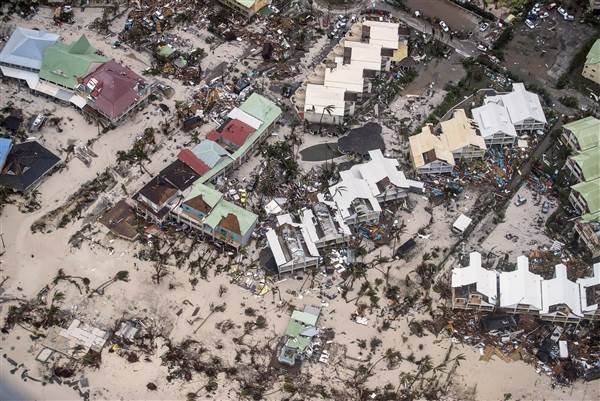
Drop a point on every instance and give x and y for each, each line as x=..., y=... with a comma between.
x=444, y=26
x=529, y=23
x=483, y=27
x=545, y=207
x=562, y=12
x=521, y=200
x=482, y=48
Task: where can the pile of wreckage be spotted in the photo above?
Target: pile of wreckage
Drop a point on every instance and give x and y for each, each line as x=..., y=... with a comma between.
x=526, y=309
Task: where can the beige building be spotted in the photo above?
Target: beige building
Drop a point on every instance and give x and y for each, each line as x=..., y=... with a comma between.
x=245, y=7
x=458, y=140
x=591, y=69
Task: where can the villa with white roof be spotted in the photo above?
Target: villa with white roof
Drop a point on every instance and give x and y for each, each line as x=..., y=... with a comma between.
x=590, y=294
x=523, y=107
x=364, y=186
x=560, y=298
x=494, y=124
x=474, y=287
x=520, y=289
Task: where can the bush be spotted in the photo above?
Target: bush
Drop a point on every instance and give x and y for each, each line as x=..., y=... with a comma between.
x=569, y=101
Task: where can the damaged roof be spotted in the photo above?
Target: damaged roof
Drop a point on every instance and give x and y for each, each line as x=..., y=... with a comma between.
x=26, y=164
x=116, y=90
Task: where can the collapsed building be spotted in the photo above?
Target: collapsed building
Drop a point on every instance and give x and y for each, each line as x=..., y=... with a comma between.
x=247, y=8
x=355, y=199
x=331, y=93
x=299, y=335
x=520, y=291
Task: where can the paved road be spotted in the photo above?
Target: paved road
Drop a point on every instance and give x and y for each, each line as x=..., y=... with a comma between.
x=465, y=48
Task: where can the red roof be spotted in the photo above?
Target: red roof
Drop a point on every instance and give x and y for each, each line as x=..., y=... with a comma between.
x=190, y=159
x=235, y=131
x=116, y=90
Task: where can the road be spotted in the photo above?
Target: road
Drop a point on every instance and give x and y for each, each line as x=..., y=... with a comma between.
x=465, y=48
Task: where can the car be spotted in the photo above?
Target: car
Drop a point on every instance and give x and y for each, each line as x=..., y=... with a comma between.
x=521, y=200
x=529, y=23
x=569, y=17
x=483, y=27
x=545, y=207
x=562, y=12
x=444, y=26
x=482, y=48
x=544, y=15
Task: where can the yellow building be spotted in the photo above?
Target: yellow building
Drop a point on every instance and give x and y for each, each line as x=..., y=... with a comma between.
x=591, y=69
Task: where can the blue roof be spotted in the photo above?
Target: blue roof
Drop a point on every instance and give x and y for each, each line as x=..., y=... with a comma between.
x=26, y=47
x=5, y=146
x=209, y=152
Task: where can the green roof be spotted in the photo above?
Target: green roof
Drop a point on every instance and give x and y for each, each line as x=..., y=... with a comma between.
x=593, y=57
x=166, y=50
x=209, y=195
x=258, y=107
x=64, y=63
x=300, y=343
x=589, y=163
x=294, y=328
x=305, y=318
x=587, y=132
x=590, y=191
x=245, y=218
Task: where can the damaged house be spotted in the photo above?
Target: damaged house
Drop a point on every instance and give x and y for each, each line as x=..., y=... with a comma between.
x=113, y=92
x=363, y=187
x=292, y=246
x=474, y=287
x=459, y=140
x=247, y=8
x=25, y=165
x=299, y=335
x=520, y=291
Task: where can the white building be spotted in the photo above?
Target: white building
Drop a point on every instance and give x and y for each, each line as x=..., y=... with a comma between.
x=521, y=290
x=292, y=246
x=589, y=288
x=494, y=124
x=326, y=105
x=325, y=225
x=560, y=297
x=474, y=287
x=364, y=186
x=523, y=107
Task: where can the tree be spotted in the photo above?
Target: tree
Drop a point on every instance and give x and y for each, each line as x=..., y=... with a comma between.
x=122, y=275
x=327, y=109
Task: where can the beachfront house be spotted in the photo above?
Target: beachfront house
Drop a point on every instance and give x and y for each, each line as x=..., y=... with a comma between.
x=474, y=287
x=520, y=289
x=299, y=335
x=560, y=298
x=590, y=294
x=582, y=135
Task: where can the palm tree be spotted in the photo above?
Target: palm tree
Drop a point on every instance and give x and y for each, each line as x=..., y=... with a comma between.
x=122, y=275
x=329, y=109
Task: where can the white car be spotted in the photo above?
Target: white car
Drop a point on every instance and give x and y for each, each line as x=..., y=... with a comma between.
x=562, y=12
x=444, y=26
x=483, y=27
x=529, y=23
x=482, y=48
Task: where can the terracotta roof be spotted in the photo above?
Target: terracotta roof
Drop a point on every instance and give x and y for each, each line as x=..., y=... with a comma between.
x=190, y=159
x=234, y=131
x=116, y=90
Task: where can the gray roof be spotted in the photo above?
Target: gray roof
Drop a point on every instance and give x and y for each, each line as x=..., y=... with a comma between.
x=26, y=47
x=209, y=152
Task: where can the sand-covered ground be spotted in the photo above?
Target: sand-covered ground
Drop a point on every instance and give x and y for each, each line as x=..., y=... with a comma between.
x=32, y=260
